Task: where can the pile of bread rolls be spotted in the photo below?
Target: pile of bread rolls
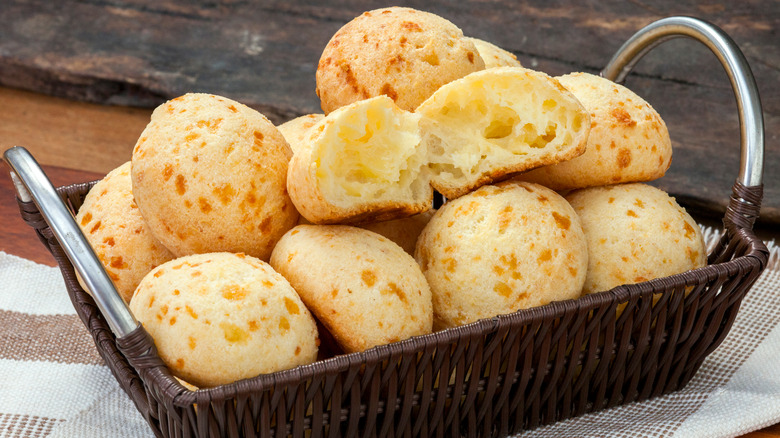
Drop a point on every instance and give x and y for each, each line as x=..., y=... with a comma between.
x=239, y=245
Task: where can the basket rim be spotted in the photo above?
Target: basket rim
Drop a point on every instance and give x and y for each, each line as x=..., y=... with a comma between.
x=183, y=397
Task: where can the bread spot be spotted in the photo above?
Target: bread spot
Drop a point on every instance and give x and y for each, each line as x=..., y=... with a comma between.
x=393, y=288
x=253, y=326
x=233, y=292
x=181, y=184
x=545, y=256
x=411, y=26
x=639, y=279
x=179, y=363
x=173, y=320
x=388, y=90
x=95, y=227
x=638, y=202
x=290, y=256
x=689, y=231
x=176, y=292
x=87, y=217
x=118, y=263
x=498, y=270
x=212, y=125
x=623, y=117
x=265, y=226
x=510, y=261
x=692, y=255
x=196, y=274
x=151, y=301
x=109, y=241
x=284, y=324
x=368, y=277
x=233, y=333
x=502, y=289
x=297, y=350
x=470, y=57
x=292, y=308
x=225, y=193
x=623, y=158
x=562, y=221
x=573, y=271
x=268, y=283
x=204, y=205
x=450, y=264
x=631, y=213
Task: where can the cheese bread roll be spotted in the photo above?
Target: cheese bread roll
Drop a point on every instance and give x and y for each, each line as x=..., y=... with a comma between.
x=493, y=55
x=364, y=162
x=402, y=53
x=221, y=317
x=296, y=130
x=209, y=175
x=628, y=140
x=113, y=226
x=493, y=124
x=363, y=288
x=499, y=249
x=635, y=233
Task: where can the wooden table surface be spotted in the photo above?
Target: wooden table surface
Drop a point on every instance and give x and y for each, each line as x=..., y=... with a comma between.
x=78, y=141
x=71, y=156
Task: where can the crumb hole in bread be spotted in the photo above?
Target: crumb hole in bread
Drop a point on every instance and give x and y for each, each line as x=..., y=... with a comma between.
x=431, y=58
x=374, y=153
x=502, y=125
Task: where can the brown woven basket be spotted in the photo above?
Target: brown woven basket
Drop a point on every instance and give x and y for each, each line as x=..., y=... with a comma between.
x=494, y=377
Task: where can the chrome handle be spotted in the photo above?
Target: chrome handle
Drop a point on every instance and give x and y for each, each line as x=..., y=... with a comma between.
x=751, y=120
x=32, y=184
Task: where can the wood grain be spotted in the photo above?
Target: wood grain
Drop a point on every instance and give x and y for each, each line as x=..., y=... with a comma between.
x=141, y=52
x=68, y=134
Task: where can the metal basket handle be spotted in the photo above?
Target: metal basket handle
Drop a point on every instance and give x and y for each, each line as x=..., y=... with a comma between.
x=32, y=184
x=751, y=119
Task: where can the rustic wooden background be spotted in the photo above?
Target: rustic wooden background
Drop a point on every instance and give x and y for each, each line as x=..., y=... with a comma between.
x=142, y=52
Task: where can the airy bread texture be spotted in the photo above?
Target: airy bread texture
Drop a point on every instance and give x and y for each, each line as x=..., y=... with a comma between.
x=399, y=52
x=209, y=175
x=296, y=130
x=493, y=124
x=493, y=55
x=628, y=140
x=361, y=286
x=221, y=317
x=116, y=231
x=501, y=248
x=404, y=232
x=362, y=163
x=635, y=233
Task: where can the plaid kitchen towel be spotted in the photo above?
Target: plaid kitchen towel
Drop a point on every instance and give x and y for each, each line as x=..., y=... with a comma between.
x=54, y=384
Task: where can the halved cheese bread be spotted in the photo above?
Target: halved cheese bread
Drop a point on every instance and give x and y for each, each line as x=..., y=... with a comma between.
x=363, y=162
x=496, y=123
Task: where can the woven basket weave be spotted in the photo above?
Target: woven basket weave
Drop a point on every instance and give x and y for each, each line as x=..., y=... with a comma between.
x=490, y=378
x=505, y=374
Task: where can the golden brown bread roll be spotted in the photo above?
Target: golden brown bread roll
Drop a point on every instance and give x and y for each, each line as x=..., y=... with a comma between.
x=493, y=55
x=628, y=140
x=221, y=317
x=402, y=53
x=362, y=163
x=496, y=123
x=635, y=233
x=499, y=249
x=296, y=130
x=209, y=174
x=364, y=288
x=113, y=226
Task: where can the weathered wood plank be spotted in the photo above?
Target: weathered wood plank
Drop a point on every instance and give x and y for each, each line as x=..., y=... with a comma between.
x=140, y=52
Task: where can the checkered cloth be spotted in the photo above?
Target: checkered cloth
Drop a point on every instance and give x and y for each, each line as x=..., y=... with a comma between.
x=54, y=384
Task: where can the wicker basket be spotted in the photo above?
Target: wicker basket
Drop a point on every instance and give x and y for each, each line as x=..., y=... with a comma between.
x=494, y=377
